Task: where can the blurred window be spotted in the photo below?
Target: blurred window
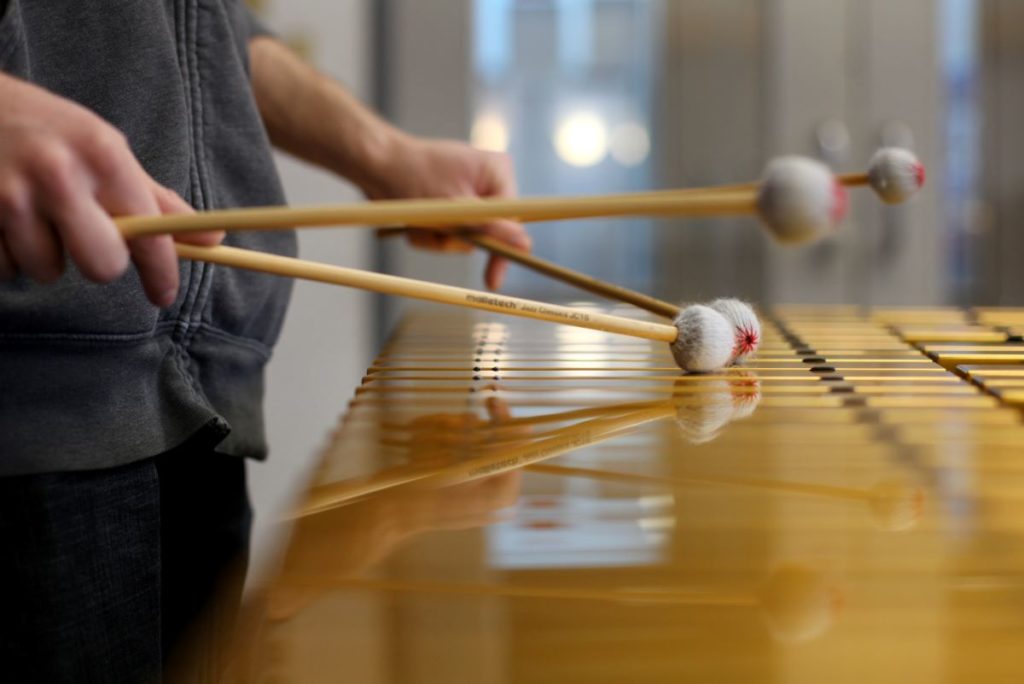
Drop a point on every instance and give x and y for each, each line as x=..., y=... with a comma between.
x=959, y=41
x=565, y=86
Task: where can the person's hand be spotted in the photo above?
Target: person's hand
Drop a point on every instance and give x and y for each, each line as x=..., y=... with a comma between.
x=421, y=168
x=63, y=173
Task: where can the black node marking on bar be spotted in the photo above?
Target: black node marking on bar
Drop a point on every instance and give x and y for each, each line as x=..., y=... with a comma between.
x=842, y=389
x=495, y=369
x=855, y=400
x=823, y=369
x=476, y=369
x=476, y=377
x=496, y=377
x=871, y=415
x=887, y=433
x=972, y=379
x=815, y=359
x=832, y=378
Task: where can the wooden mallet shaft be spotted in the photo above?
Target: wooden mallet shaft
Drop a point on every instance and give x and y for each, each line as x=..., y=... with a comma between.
x=446, y=214
x=849, y=180
x=417, y=289
x=581, y=280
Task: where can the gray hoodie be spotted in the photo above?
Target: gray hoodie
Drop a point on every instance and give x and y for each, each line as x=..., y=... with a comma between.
x=94, y=376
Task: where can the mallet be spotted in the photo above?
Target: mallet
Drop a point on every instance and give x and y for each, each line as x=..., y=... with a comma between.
x=895, y=174
x=740, y=314
x=701, y=339
x=798, y=200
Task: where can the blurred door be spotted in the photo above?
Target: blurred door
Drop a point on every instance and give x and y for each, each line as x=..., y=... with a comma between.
x=845, y=78
x=1000, y=276
x=598, y=96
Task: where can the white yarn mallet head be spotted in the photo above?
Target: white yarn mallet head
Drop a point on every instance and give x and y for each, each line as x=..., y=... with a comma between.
x=800, y=200
x=705, y=340
x=896, y=174
x=745, y=324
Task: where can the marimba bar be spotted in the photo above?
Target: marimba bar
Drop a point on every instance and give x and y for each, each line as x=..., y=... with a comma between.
x=507, y=500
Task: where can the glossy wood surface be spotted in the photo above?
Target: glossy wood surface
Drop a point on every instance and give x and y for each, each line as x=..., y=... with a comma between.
x=513, y=501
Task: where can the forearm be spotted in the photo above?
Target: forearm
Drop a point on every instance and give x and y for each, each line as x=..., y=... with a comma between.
x=313, y=117
x=316, y=119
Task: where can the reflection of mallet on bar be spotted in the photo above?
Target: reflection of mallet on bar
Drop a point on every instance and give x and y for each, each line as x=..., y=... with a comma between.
x=517, y=455
x=699, y=417
x=895, y=505
x=797, y=602
x=702, y=410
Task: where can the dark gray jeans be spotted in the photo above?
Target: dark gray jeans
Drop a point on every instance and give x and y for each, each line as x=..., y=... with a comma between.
x=105, y=575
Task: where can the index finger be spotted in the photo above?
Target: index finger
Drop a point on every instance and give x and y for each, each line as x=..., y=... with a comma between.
x=499, y=177
x=123, y=188
x=171, y=202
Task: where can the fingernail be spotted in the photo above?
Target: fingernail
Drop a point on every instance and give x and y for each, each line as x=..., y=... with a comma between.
x=168, y=298
x=496, y=281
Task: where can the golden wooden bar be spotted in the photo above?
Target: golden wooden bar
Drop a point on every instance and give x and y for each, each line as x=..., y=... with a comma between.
x=508, y=501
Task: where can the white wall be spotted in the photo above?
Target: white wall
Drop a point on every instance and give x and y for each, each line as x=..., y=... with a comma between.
x=327, y=339
x=428, y=88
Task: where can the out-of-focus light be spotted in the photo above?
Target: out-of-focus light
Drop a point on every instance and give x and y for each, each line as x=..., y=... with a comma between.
x=657, y=524
x=657, y=501
x=490, y=132
x=631, y=144
x=581, y=139
x=572, y=335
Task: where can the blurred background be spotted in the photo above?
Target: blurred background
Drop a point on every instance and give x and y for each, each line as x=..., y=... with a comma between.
x=600, y=96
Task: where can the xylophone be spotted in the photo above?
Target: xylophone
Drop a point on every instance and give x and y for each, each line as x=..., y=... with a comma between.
x=514, y=501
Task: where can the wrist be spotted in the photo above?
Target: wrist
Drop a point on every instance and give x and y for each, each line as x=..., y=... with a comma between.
x=371, y=163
